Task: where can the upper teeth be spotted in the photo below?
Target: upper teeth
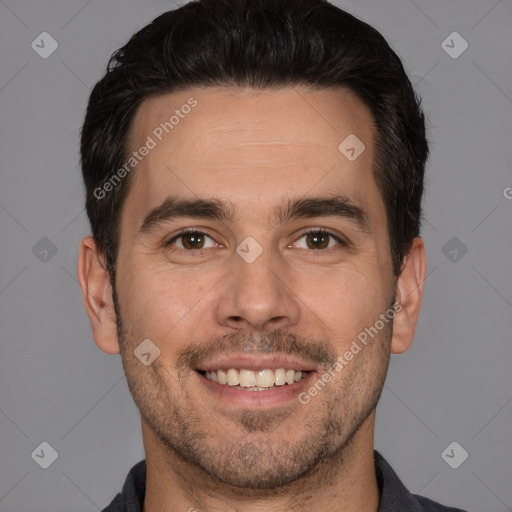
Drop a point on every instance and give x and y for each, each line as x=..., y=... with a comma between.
x=249, y=379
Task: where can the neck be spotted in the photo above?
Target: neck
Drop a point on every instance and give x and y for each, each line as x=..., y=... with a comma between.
x=345, y=482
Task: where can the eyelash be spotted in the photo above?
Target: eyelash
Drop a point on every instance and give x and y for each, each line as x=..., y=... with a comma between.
x=186, y=231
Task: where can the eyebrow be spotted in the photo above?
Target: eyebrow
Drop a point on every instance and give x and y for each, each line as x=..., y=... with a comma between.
x=214, y=209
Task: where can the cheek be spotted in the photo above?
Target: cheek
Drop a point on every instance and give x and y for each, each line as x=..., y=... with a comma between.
x=347, y=301
x=163, y=303
x=159, y=302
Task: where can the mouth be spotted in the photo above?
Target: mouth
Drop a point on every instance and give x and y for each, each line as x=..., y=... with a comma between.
x=249, y=380
x=256, y=383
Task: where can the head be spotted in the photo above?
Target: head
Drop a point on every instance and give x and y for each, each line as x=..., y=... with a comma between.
x=241, y=107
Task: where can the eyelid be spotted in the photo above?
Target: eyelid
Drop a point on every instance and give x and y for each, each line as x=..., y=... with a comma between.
x=185, y=231
x=340, y=239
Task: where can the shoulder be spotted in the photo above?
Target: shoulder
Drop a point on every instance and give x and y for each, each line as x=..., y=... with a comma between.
x=116, y=505
x=395, y=497
x=431, y=506
x=134, y=489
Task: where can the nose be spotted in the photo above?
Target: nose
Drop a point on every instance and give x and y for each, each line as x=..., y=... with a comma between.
x=257, y=296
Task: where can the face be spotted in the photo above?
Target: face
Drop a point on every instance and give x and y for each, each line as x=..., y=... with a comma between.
x=250, y=242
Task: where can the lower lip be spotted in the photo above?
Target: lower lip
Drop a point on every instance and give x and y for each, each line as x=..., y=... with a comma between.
x=277, y=395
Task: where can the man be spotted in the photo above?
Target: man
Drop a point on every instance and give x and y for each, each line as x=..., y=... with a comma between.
x=254, y=174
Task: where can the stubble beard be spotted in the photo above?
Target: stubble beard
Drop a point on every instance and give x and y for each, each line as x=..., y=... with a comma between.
x=249, y=458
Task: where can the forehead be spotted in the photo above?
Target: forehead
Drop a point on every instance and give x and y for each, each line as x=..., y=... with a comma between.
x=251, y=147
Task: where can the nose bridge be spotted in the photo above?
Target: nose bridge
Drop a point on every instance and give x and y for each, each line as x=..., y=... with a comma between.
x=255, y=293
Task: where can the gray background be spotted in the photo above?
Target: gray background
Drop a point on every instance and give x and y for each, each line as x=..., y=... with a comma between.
x=453, y=385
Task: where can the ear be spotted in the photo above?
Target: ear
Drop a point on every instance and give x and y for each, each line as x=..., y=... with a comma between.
x=97, y=296
x=409, y=296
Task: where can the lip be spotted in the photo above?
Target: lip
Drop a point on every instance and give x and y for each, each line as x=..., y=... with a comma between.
x=257, y=363
x=278, y=395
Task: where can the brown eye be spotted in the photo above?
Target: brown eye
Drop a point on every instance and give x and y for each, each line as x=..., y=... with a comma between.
x=318, y=239
x=192, y=240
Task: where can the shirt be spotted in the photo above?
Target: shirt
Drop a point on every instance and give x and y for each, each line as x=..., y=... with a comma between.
x=394, y=497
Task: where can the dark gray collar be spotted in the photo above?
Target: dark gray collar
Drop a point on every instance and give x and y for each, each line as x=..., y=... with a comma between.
x=394, y=497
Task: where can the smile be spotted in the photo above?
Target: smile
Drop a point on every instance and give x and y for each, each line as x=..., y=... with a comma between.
x=250, y=380
x=258, y=388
